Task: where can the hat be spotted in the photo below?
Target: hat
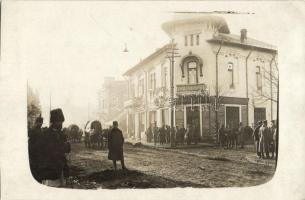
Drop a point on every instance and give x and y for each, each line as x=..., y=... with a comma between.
x=57, y=115
x=39, y=119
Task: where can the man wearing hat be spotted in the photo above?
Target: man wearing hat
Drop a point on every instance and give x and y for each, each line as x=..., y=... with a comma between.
x=264, y=140
x=115, y=145
x=35, y=146
x=256, y=137
x=55, y=147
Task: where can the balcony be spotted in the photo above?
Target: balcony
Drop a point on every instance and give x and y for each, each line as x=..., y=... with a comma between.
x=191, y=89
x=134, y=102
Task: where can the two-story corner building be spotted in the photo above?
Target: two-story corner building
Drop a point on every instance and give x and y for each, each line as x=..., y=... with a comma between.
x=218, y=78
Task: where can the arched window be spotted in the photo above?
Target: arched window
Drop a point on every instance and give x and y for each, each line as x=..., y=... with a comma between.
x=258, y=78
x=192, y=72
x=231, y=71
x=192, y=65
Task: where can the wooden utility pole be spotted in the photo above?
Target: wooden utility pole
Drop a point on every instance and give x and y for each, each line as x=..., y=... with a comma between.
x=171, y=55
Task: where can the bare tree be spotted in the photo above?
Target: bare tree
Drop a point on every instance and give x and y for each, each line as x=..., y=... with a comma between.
x=271, y=84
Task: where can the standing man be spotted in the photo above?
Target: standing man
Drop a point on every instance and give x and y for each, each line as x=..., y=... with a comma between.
x=221, y=136
x=264, y=139
x=273, y=144
x=35, y=146
x=256, y=138
x=241, y=133
x=115, y=145
x=55, y=167
x=155, y=133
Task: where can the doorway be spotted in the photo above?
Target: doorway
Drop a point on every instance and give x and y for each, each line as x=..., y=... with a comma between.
x=193, y=117
x=232, y=116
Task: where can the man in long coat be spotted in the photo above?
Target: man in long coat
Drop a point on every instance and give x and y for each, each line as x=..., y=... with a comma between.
x=256, y=138
x=264, y=140
x=115, y=145
x=35, y=146
x=55, y=167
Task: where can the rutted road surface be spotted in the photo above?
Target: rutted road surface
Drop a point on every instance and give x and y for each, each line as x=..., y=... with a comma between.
x=163, y=168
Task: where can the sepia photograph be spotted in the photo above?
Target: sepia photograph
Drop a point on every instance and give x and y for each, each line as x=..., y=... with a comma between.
x=144, y=95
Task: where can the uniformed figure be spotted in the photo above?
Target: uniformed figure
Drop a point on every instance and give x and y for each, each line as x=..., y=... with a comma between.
x=241, y=135
x=55, y=167
x=273, y=138
x=35, y=147
x=256, y=137
x=264, y=140
x=115, y=145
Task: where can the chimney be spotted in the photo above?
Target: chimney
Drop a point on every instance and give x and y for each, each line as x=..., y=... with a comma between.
x=243, y=35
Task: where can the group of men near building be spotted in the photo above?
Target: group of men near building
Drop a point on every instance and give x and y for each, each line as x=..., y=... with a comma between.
x=48, y=149
x=173, y=136
x=264, y=137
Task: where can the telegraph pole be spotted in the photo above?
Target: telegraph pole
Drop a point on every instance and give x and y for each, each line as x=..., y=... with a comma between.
x=171, y=55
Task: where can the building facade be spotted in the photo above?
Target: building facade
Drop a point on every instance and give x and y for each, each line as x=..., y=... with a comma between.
x=218, y=78
x=112, y=96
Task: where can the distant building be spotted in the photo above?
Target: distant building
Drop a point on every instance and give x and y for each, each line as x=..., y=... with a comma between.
x=112, y=96
x=219, y=78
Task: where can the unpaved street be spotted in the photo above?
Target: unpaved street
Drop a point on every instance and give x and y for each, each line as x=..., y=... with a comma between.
x=148, y=167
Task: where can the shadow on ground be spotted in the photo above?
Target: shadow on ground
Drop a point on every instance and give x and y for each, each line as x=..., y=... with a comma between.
x=110, y=179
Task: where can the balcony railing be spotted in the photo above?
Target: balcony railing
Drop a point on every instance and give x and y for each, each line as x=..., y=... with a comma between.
x=191, y=88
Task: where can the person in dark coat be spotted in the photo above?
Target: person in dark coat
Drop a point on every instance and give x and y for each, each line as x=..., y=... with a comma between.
x=162, y=135
x=115, y=145
x=155, y=133
x=55, y=167
x=256, y=138
x=168, y=134
x=35, y=146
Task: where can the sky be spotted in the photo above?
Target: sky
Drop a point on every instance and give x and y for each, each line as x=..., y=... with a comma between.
x=67, y=48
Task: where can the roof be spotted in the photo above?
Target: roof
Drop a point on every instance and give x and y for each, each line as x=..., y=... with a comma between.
x=216, y=21
x=234, y=40
x=146, y=60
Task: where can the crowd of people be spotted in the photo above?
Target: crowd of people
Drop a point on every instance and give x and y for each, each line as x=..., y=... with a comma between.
x=49, y=148
x=173, y=136
x=265, y=138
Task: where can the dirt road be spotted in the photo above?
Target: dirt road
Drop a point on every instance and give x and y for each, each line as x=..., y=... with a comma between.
x=153, y=168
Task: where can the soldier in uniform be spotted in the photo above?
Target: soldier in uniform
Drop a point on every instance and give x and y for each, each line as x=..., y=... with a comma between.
x=54, y=165
x=115, y=145
x=35, y=146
